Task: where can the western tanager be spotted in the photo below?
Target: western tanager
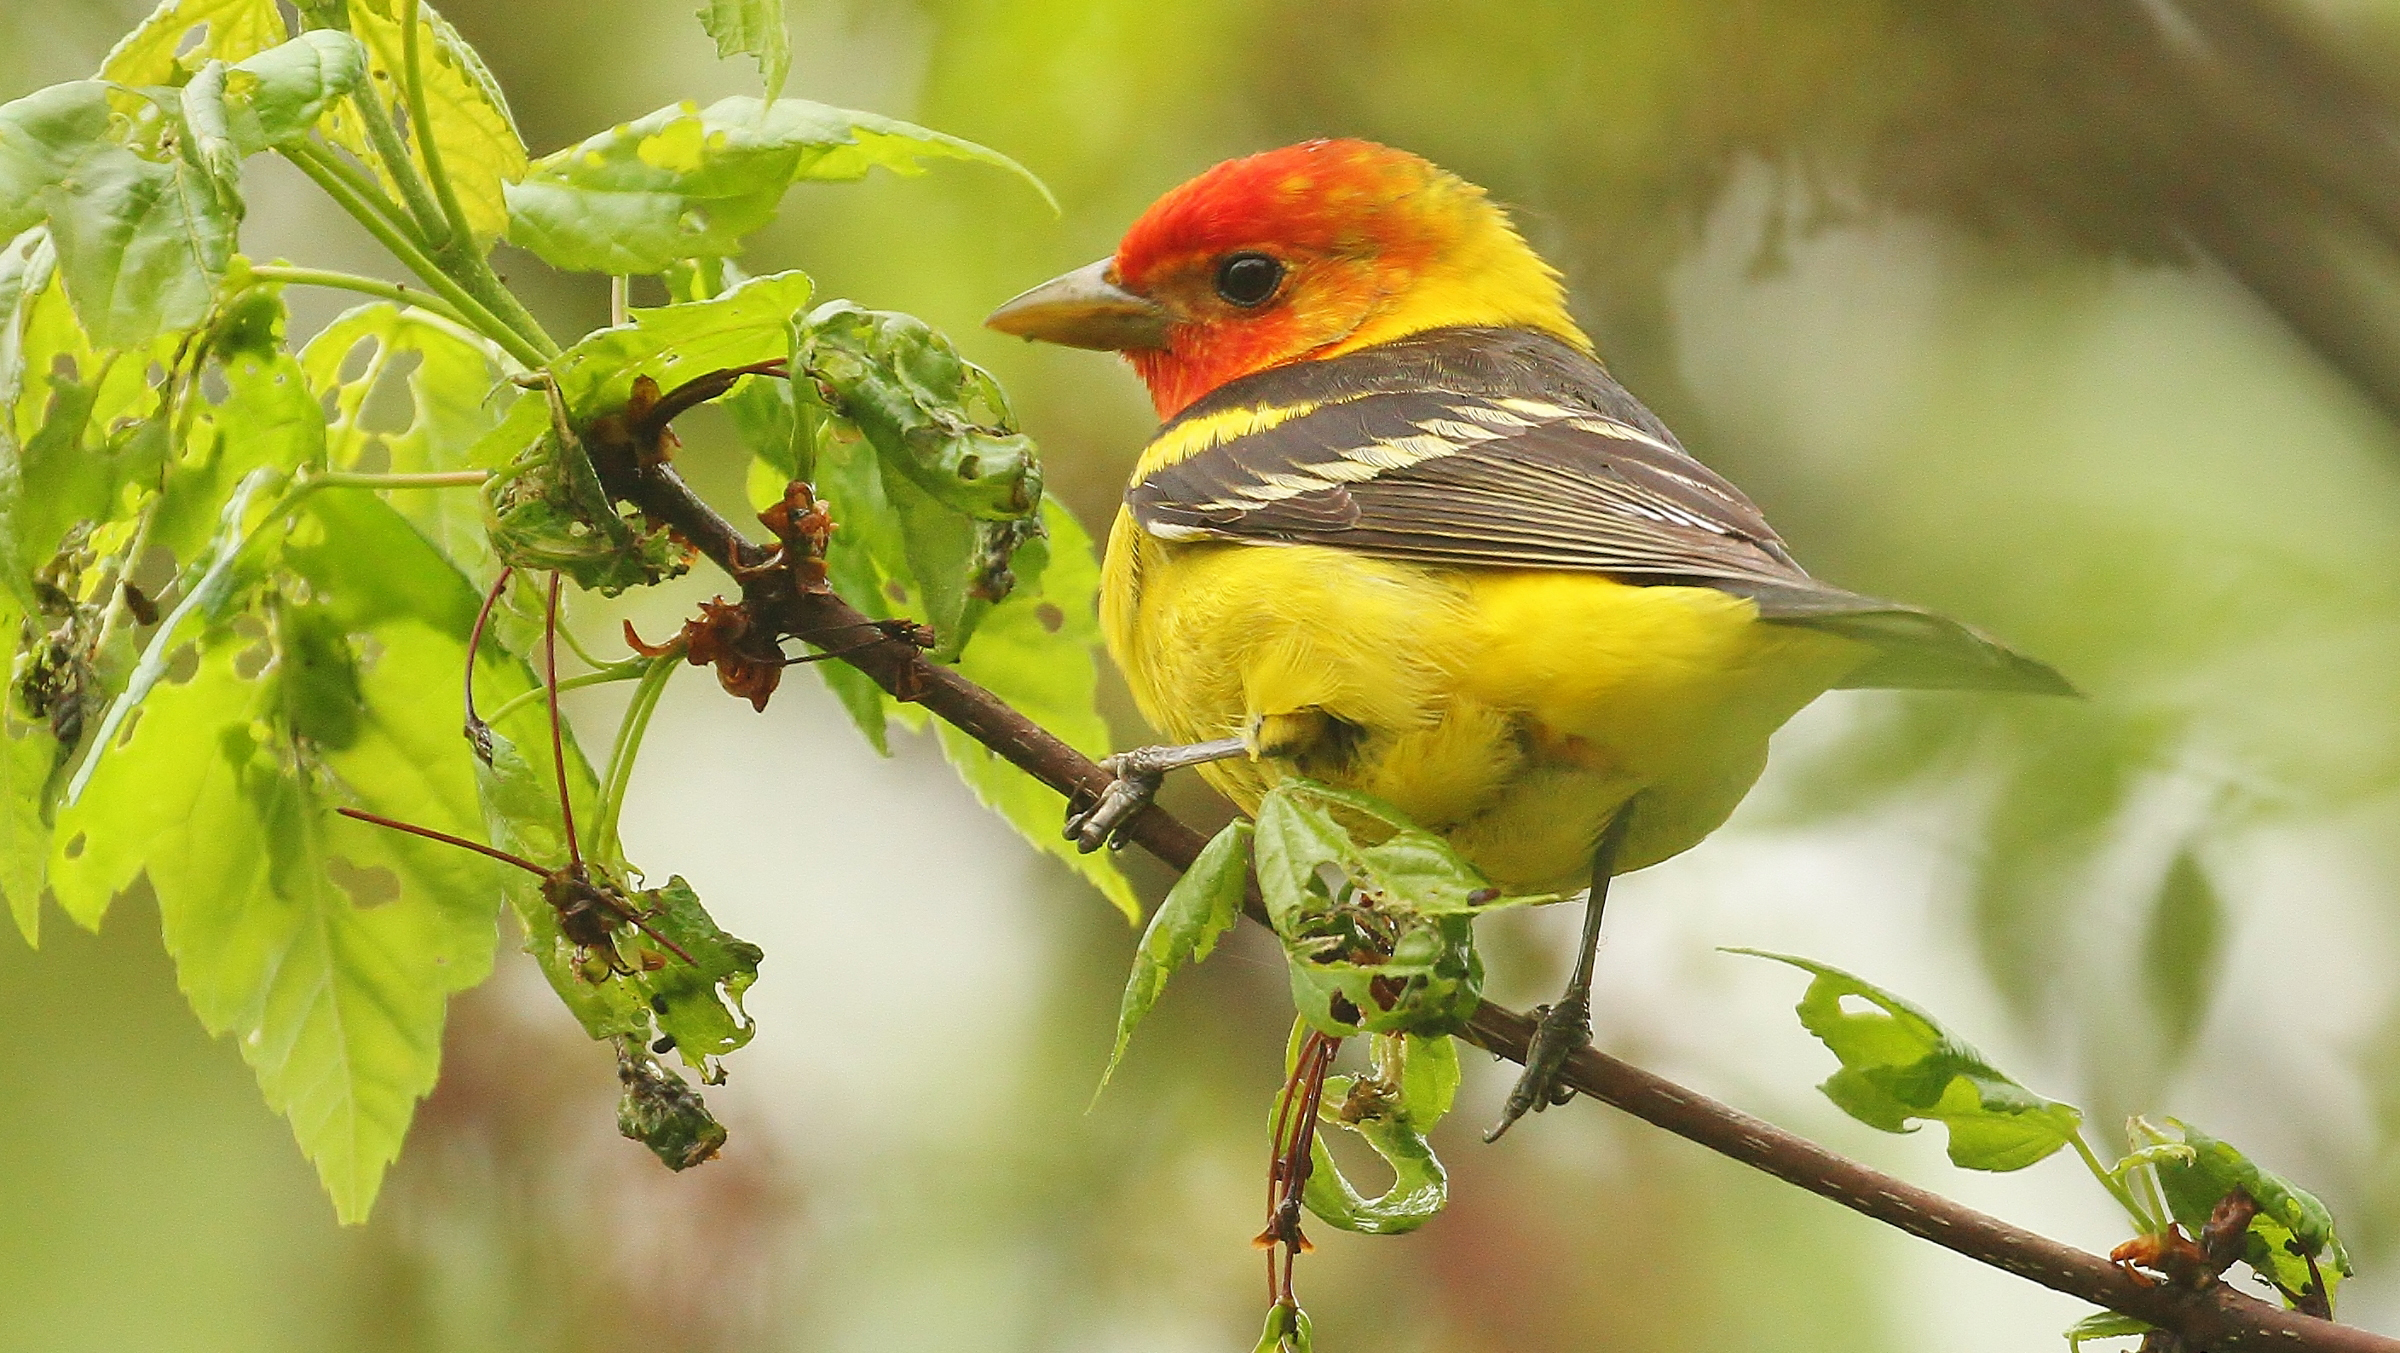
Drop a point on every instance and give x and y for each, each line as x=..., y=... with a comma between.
x=1401, y=532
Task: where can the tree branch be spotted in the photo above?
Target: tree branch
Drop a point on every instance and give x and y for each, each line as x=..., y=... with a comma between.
x=2215, y=1317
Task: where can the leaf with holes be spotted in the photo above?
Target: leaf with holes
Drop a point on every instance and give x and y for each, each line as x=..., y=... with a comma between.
x=154, y=52
x=1412, y=1084
x=1900, y=1066
x=690, y=182
x=937, y=418
x=1375, y=913
x=453, y=400
x=326, y=948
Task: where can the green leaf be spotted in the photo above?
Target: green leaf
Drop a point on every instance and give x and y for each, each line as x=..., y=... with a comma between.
x=454, y=399
x=671, y=344
x=1037, y=652
x=325, y=948
x=1386, y=1112
x=278, y=95
x=546, y=510
x=1899, y=1065
x=686, y=182
x=142, y=231
x=229, y=30
x=27, y=753
x=473, y=129
x=1204, y=903
x=939, y=419
x=1378, y=933
x=752, y=28
x=2292, y=1227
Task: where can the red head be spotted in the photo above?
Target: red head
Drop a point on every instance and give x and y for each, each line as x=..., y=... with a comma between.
x=1304, y=252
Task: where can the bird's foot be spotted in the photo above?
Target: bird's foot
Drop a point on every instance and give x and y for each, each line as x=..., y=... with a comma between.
x=1127, y=794
x=1138, y=774
x=1565, y=1029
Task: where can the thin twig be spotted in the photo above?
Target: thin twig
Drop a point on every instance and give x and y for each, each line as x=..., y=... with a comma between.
x=2215, y=1317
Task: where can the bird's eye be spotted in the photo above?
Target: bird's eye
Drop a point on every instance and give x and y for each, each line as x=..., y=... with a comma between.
x=1248, y=279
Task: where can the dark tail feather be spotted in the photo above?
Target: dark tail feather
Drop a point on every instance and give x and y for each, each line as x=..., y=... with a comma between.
x=1914, y=649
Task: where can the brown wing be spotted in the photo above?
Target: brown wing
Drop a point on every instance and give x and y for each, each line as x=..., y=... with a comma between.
x=1509, y=449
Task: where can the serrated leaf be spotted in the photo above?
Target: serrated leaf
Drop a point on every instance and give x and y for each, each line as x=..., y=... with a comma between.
x=754, y=28
x=1204, y=903
x=454, y=400
x=230, y=30
x=473, y=128
x=1383, y=1110
x=224, y=792
x=1036, y=651
x=686, y=182
x=1900, y=1066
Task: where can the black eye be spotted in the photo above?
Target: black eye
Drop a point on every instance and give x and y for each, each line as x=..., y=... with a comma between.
x=1248, y=279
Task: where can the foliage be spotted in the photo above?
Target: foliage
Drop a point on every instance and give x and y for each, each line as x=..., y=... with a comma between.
x=239, y=567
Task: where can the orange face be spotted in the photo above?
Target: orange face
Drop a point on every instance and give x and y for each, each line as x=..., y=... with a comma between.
x=1290, y=254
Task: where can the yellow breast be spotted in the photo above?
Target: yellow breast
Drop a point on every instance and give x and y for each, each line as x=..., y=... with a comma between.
x=1513, y=711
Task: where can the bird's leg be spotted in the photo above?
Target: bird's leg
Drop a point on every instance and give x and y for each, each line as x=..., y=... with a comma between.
x=1138, y=773
x=1567, y=1025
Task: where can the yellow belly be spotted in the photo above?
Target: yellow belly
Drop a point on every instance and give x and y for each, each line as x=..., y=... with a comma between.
x=1511, y=711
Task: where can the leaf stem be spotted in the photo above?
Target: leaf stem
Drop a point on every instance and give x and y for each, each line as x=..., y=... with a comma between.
x=398, y=293
x=619, y=775
x=420, y=122
x=431, y=479
x=313, y=161
x=631, y=670
x=2142, y=1219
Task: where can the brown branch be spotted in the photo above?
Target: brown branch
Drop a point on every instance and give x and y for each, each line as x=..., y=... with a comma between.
x=2214, y=1317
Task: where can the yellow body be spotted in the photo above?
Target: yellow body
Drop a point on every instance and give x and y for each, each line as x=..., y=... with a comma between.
x=1513, y=711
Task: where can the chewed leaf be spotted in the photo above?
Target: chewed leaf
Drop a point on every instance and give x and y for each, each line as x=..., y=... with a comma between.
x=752, y=28
x=699, y=1003
x=1200, y=908
x=690, y=182
x=1376, y=914
x=546, y=510
x=938, y=418
x=1900, y=1066
x=278, y=95
x=155, y=52
x=1391, y=1110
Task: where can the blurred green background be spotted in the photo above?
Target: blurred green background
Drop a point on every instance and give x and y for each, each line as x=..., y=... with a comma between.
x=2076, y=318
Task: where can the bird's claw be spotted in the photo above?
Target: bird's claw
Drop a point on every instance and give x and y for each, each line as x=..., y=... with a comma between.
x=1104, y=823
x=1565, y=1029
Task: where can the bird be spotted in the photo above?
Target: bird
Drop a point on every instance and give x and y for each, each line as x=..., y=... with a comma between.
x=1401, y=532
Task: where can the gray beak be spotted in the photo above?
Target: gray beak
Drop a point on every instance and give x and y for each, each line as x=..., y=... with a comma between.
x=1084, y=309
